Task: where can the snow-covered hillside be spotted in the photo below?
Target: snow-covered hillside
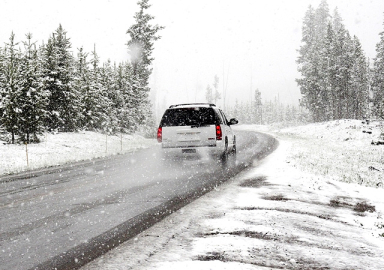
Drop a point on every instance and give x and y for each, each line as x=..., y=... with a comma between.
x=350, y=151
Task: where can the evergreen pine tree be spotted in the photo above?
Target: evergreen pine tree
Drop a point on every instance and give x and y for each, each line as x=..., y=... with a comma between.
x=142, y=36
x=322, y=18
x=333, y=80
x=59, y=67
x=359, y=82
x=127, y=111
x=258, y=108
x=112, y=93
x=82, y=85
x=2, y=86
x=345, y=61
x=10, y=87
x=378, y=79
x=330, y=80
x=320, y=67
x=308, y=62
x=32, y=98
x=97, y=101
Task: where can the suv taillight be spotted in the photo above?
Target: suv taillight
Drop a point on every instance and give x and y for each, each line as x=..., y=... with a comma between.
x=160, y=134
x=219, y=134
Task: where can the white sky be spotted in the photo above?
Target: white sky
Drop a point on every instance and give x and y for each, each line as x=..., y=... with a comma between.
x=252, y=43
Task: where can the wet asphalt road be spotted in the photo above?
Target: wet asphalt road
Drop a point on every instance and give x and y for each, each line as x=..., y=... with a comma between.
x=65, y=217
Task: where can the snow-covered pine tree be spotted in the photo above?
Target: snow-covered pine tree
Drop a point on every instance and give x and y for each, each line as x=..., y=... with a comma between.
x=268, y=112
x=237, y=111
x=330, y=80
x=308, y=66
x=32, y=98
x=59, y=68
x=112, y=95
x=346, y=63
x=359, y=82
x=329, y=63
x=290, y=113
x=344, y=67
x=338, y=67
x=82, y=85
x=97, y=102
x=10, y=87
x=378, y=78
x=122, y=98
x=322, y=18
x=2, y=87
x=320, y=63
x=142, y=36
x=258, y=109
x=128, y=111
x=312, y=65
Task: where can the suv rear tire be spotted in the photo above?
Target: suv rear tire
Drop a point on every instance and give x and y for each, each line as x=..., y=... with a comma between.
x=224, y=155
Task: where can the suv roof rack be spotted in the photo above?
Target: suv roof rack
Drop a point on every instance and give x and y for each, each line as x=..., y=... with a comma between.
x=187, y=104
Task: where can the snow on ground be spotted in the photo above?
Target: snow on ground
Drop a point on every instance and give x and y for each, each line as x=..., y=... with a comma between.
x=302, y=207
x=343, y=150
x=62, y=148
x=315, y=203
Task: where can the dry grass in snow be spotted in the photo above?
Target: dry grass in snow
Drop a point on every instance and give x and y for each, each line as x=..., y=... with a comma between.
x=343, y=150
x=62, y=148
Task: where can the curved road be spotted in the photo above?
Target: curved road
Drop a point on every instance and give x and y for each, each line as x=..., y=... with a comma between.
x=65, y=217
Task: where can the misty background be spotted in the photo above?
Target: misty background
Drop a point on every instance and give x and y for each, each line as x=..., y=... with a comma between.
x=248, y=44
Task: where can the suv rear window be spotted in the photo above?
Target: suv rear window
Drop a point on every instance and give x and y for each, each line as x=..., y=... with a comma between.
x=195, y=116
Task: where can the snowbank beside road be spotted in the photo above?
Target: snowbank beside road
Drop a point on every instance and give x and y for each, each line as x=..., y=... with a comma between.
x=342, y=150
x=281, y=213
x=62, y=148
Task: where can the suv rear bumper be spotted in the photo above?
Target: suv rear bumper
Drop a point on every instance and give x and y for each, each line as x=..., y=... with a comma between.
x=202, y=151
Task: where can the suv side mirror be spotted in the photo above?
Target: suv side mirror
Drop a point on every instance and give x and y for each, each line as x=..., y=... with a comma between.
x=233, y=121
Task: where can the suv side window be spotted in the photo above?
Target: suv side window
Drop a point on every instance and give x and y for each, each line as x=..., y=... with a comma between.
x=224, y=118
x=219, y=117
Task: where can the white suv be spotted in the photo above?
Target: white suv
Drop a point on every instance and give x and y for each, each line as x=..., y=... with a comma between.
x=196, y=129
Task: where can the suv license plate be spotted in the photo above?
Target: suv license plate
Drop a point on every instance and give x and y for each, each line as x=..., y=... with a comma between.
x=189, y=151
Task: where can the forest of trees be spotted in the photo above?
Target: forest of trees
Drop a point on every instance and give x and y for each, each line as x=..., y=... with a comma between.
x=50, y=87
x=337, y=80
x=47, y=87
x=269, y=112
